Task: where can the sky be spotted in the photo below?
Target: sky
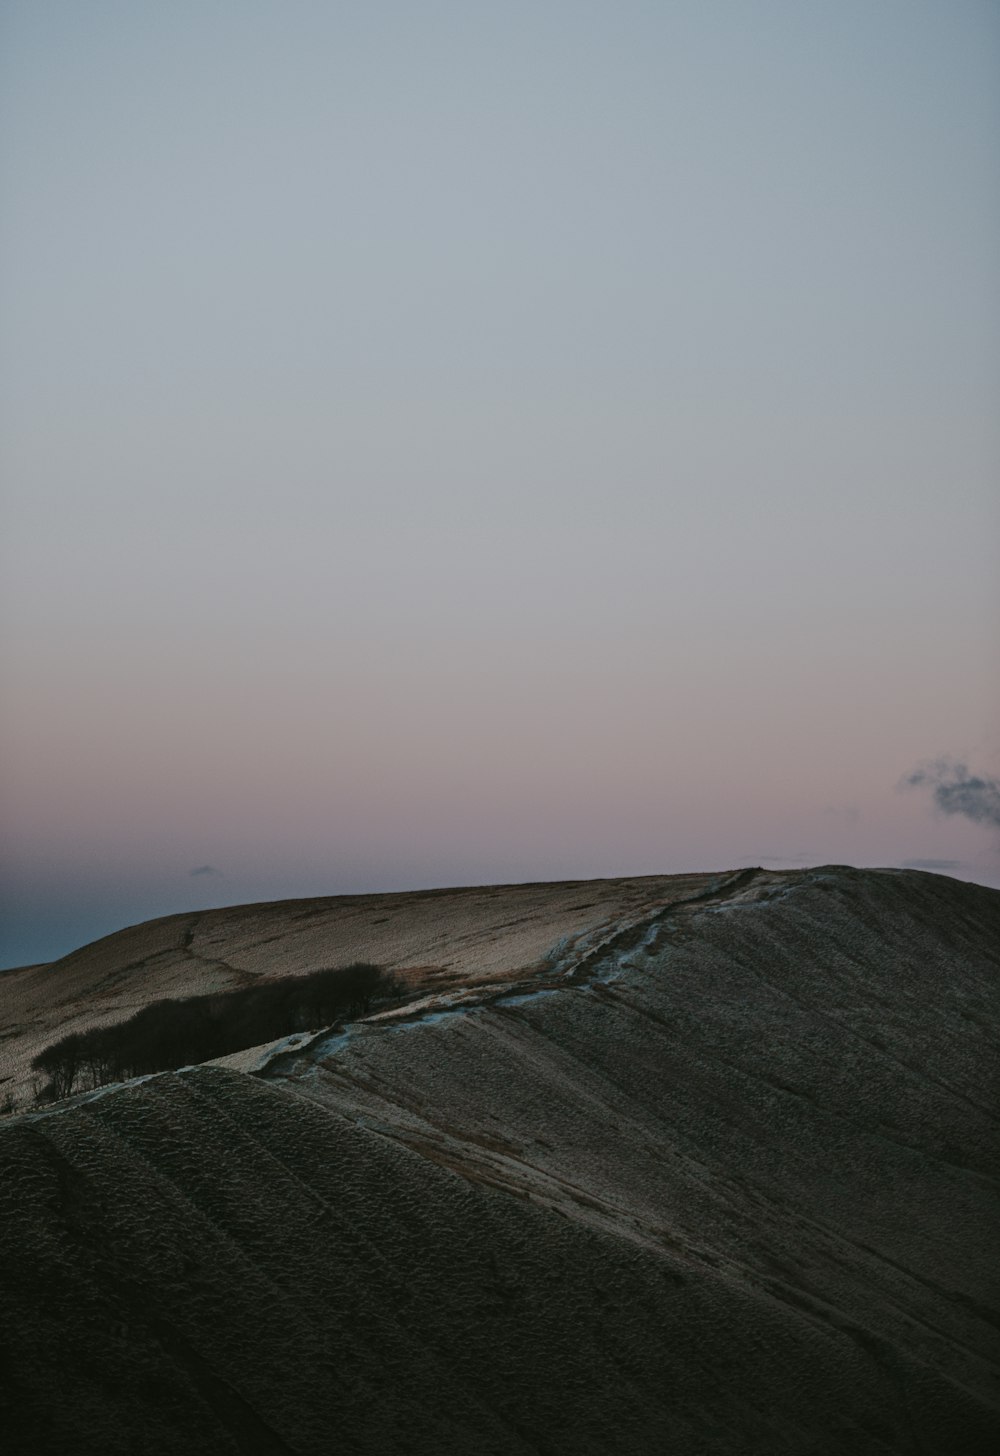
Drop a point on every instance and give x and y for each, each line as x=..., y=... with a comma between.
x=452, y=443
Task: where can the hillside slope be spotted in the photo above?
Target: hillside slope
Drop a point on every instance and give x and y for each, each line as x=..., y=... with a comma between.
x=431, y=939
x=723, y=1179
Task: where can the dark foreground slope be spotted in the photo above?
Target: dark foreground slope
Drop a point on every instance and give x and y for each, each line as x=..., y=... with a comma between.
x=725, y=1184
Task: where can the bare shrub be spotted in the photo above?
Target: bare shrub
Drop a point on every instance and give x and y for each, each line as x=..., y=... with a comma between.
x=172, y=1033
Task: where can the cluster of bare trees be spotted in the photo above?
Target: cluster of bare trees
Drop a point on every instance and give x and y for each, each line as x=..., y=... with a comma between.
x=174, y=1033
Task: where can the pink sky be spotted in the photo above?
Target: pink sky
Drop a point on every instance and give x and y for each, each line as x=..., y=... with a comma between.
x=555, y=443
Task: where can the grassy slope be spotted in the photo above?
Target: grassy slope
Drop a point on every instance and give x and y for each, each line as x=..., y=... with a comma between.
x=732, y=1191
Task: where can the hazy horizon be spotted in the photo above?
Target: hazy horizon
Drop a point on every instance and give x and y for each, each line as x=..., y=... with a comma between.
x=454, y=446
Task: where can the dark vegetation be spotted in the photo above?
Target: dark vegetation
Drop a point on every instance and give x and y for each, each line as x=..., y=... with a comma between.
x=173, y=1033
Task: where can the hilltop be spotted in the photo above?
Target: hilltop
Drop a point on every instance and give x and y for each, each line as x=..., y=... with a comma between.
x=431, y=939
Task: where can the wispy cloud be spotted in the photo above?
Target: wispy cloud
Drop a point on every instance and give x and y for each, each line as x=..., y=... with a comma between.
x=957, y=791
x=204, y=870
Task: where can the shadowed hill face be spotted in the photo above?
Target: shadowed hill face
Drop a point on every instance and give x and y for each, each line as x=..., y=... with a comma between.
x=721, y=1180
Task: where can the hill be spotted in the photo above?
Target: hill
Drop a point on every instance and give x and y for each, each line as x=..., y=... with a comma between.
x=431, y=939
x=714, y=1171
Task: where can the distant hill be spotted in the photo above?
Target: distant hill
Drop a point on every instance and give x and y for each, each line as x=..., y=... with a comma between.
x=702, y=1165
x=430, y=938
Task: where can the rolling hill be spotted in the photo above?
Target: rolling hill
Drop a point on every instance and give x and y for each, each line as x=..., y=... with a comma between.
x=679, y=1164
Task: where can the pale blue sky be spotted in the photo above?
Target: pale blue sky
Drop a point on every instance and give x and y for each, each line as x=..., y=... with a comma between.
x=450, y=442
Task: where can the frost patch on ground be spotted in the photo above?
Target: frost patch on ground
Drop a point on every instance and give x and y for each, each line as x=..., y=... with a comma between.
x=521, y=998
